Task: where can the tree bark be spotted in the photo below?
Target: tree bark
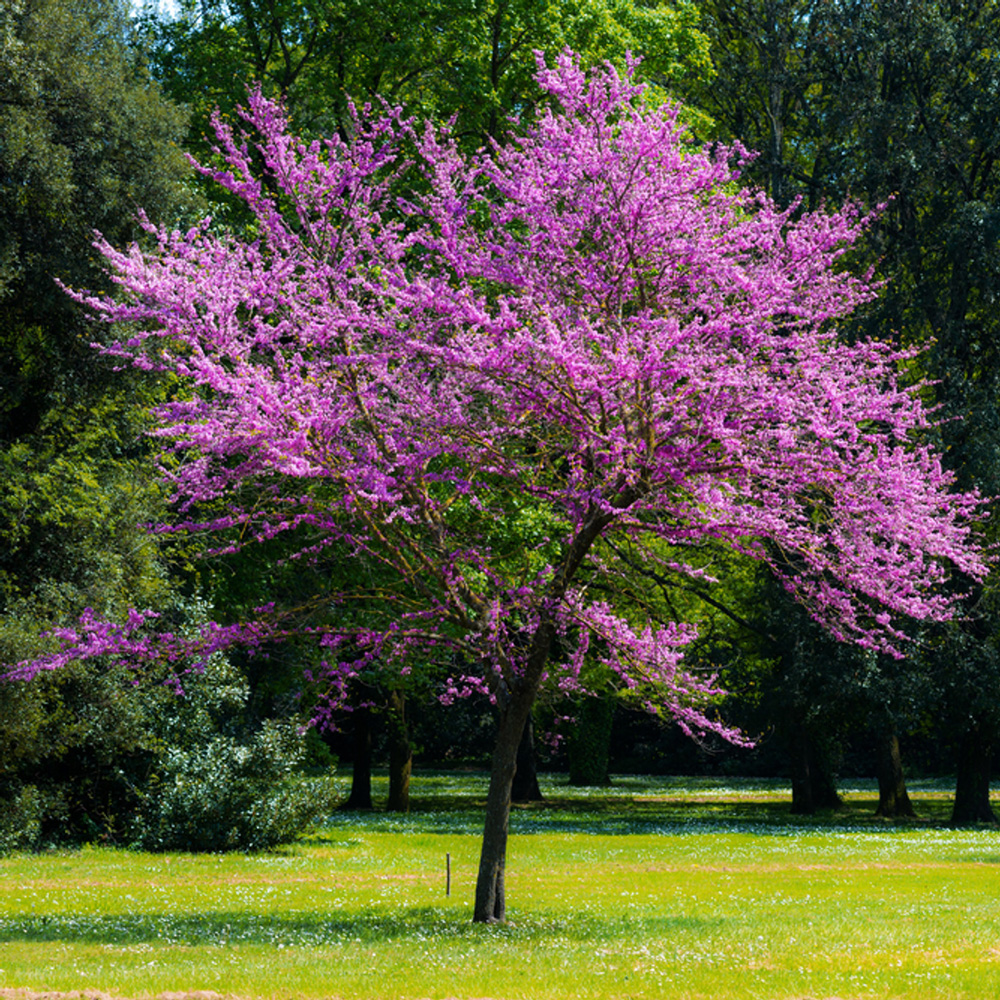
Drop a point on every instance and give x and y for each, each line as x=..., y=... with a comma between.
x=514, y=701
x=525, y=787
x=893, y=798
x=813, y=785
x=361, y=777
x=824, y=784
x=490, y=904
x=400, y=755
x=972, y=783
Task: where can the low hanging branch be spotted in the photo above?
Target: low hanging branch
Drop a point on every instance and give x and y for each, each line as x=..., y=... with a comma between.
x=649, y=572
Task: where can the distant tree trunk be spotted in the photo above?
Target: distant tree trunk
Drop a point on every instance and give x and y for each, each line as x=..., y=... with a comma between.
x=802, y=791
x=813, y=785
x=824, y=784
x=893, y=799
x=361, y=778
x=525, y=786
x=972, y=784
x=400, y=755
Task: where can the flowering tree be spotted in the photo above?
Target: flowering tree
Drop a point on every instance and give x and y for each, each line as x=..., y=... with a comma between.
x=511, y=383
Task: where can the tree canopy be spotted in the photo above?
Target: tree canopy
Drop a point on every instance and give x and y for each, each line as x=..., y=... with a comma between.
x=85, y=139
x=441, y=58
x=896, y=103
x=591, y=325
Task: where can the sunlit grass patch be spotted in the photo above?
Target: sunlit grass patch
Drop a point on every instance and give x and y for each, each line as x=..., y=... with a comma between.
x=652, y=888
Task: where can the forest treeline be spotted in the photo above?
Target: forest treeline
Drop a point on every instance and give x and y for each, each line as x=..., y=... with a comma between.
x=894, y=105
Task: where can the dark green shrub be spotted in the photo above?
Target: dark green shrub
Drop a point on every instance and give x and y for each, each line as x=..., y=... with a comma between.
x=77, y=746
x=218, y=783
x=224, y=794
x=21, y=820
x=97, y=753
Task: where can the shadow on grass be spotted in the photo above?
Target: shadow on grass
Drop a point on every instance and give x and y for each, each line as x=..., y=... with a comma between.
x=624, y=817
x=407, y=924
x=451, y=803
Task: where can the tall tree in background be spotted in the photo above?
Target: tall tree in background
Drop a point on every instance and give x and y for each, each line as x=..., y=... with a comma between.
x=85, y=137
x=769, y=59
x=467, y=58
x=897, y=103
x=918, y=98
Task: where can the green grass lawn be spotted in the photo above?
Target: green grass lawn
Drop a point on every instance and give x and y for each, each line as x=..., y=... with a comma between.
x=653, y=888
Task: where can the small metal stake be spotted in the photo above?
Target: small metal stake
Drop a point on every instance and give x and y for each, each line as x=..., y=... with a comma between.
x=447, y=868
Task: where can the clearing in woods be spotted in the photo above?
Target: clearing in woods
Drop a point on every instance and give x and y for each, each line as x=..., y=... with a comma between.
x=652, y=888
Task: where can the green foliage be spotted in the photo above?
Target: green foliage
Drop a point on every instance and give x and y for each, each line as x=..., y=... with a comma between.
x=71, y=507
x=895, y=104
x=20, y=820
x=467, y=58
x=97, y=753
x=73, y=499
x=218, y=785
x=85, y=137
x=75, y=746
x=768, y=89
x=224, y=795
x=918, y=124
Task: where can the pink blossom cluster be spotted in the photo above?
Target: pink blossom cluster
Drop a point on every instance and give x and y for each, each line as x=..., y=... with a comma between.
x=128, y=641
x=137, y=642
x=474, y=373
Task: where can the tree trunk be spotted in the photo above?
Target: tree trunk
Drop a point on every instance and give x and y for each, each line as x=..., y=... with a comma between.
x=400, y=755
x=490, y=905
x=821, y=776
x=525, y=787
x=972, y=784
x=514, y=704
x=893, y=799
x=361, y=778
x=813, y=785
x=802, y=788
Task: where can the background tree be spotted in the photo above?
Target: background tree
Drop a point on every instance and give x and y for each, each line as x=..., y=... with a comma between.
x=770, y=59
x=442, y=58
x=918, y=101
x=896, y=103
x=85, y=137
